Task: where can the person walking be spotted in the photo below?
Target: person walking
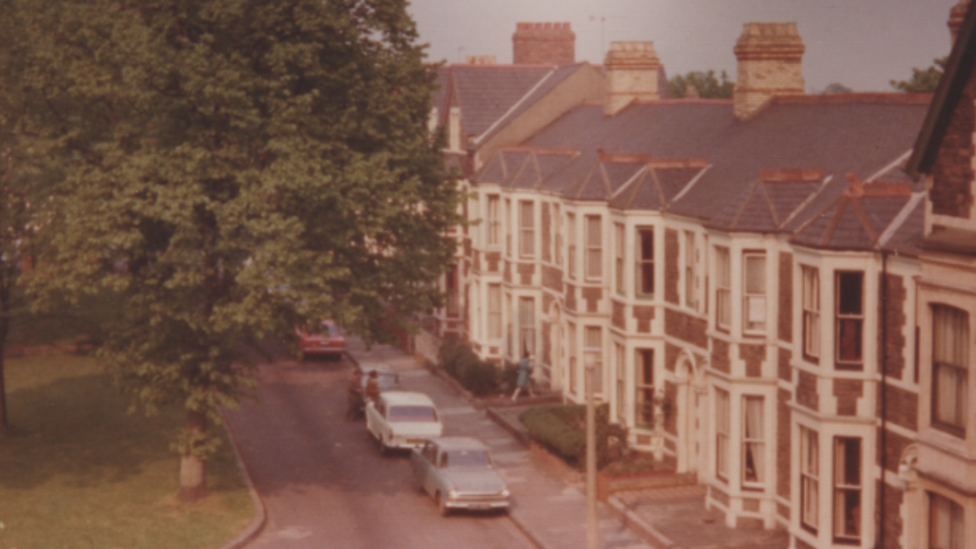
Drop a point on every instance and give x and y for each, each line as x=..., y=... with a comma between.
x=354, y=396
x=524, y=376
x=373, y=386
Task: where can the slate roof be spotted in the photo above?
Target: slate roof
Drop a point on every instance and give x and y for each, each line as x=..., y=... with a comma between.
x=485, y=93
x=857, y=219
x=783, y=170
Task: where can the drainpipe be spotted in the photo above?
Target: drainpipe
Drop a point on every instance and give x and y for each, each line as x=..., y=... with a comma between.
x=884, y=392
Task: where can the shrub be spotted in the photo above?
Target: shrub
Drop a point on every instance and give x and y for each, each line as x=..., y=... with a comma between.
x=460, y=362
x=562, y=429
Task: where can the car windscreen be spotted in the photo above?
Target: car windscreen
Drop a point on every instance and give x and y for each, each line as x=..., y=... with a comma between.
x=412, y=413
x=468, y=459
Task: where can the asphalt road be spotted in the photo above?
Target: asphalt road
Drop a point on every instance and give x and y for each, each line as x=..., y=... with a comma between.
x=323, y=481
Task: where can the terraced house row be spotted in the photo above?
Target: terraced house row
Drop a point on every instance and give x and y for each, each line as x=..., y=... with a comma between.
x=776, y=290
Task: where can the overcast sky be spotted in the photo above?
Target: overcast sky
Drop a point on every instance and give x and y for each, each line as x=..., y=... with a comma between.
x=859, y=43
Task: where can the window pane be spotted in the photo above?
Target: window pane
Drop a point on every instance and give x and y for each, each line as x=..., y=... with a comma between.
x=946, y=526
x=849, y=339
x=593, y=231
x=849, y=293
x=755, y=274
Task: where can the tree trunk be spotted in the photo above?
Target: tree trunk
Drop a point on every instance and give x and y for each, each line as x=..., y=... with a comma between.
x=193, y=470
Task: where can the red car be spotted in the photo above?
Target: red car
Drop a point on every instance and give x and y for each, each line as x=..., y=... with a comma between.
x=324, y=340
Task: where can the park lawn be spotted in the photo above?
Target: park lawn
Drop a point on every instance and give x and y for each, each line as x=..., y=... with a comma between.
x=79, y=471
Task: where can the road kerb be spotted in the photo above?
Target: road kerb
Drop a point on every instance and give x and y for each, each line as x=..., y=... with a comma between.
x=639, y=526
x=261, y=517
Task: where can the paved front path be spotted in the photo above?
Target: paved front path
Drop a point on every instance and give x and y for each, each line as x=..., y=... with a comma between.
x=550, y=511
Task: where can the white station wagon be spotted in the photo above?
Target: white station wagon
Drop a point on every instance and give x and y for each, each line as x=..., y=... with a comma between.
x=400, y=419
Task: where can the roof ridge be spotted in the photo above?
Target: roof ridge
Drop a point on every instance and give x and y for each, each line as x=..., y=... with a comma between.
x=690, y=184
x=832, y=226
x=806, y=201
x=515, y=106
x=769, y=203
x=900, y=219
x=875, y=98
x=742, y=206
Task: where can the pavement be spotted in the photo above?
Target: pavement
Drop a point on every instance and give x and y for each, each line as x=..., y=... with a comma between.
x=548, y=502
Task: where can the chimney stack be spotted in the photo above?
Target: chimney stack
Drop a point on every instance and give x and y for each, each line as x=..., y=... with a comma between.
x=769, y=64
x=956, y=16
x=632, y=74
x=543, y=44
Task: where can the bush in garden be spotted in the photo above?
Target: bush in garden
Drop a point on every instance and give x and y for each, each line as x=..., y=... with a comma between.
x=562, y=429
x=460, y=362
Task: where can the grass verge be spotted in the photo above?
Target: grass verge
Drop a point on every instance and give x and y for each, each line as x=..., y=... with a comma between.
x=78, y=471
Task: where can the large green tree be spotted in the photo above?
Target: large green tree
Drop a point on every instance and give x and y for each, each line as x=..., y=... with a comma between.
x=922, y=80
x=235, y=168
x=705, y=84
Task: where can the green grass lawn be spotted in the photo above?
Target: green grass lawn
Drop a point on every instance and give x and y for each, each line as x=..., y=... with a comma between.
x=77, y=471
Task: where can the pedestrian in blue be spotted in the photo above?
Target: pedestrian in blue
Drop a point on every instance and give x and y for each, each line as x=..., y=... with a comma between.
x=524, y=376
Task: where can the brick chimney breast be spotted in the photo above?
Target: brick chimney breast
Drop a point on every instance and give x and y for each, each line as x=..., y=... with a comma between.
x=543, y=44
x=769, y=59
x=956, y=15
x=632, y=74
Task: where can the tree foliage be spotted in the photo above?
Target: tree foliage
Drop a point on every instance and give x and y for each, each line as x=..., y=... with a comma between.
x=235, y=168
x=922, y=80
x=707, y=85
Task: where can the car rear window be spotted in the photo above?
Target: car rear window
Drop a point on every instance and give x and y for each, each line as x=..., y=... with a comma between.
x=467, y=458
x=412, y=413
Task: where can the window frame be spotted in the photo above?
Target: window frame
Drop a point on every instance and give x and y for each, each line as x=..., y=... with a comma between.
x=810, y=283
x=644, y=388
x=594, y=333
x=844, y=489
x=593, y=261
x=690, y=275
x=723, y=288
x=748, y=295
x=508, y=227
x=809, y=478
x=620, y=363
x=957, y=518
x=619, y=237
x=494, y=225
x=756, y=441
x=495, y=311
x=842, y=319
x=526, y=229
x=644, y=262
x=959, y=371
x=723, y=433
x=527, y=321
x=571, y=239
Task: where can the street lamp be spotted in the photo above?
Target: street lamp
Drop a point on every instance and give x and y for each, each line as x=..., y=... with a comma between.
x=590, y=359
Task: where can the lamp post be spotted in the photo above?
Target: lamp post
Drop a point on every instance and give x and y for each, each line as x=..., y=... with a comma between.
x=590, y=359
